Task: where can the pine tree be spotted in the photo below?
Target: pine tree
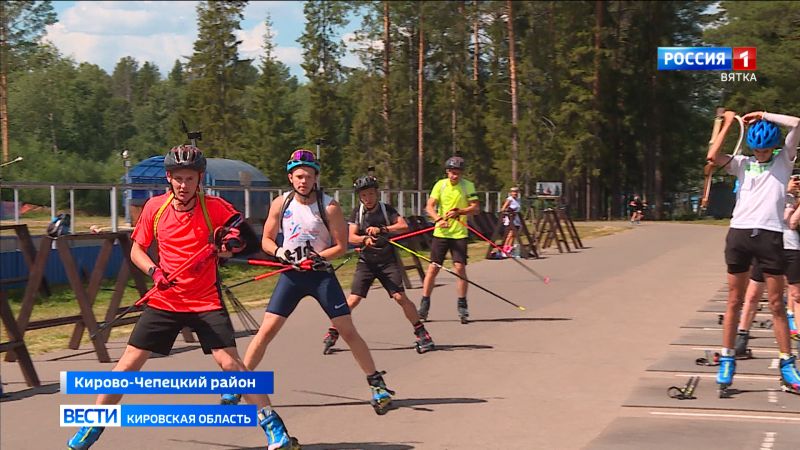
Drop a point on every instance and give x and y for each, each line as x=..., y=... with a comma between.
x=215, y=81
x=322, y=51
x=272, y=130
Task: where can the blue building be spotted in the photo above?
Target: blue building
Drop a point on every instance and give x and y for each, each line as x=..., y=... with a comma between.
x=219, y=172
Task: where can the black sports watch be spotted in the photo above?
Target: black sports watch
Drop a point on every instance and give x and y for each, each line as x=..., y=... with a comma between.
x=152, y=270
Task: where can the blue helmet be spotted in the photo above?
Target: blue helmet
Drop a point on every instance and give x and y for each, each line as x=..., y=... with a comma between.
x=302, y=157
x=763, y=134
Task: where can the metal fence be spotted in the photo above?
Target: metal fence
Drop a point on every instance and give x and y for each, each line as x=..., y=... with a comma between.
x=406, y=202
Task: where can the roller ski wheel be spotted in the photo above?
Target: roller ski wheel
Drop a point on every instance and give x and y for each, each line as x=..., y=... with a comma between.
x=727, y=368
x=381, y=406
x=330, y=340
x=424, y=342
x=381, y=395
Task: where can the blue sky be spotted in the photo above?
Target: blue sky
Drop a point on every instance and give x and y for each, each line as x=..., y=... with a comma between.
x=102, y=32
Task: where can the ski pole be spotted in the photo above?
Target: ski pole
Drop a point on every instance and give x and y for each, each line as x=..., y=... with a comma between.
x=419, y=255
x=544, y=279
x=345, y=261
x=203, y=253
x=413, y=233
x=261, y=277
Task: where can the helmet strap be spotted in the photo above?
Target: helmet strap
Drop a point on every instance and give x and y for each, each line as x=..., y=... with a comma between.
x=175, y=196
x=306, y=197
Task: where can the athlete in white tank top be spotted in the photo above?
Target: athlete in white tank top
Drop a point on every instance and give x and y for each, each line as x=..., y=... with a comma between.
x=303, y=227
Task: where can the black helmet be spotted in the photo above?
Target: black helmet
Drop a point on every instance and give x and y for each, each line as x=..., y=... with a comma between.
x=185, y=157
x=365, y=182
x=454, y=162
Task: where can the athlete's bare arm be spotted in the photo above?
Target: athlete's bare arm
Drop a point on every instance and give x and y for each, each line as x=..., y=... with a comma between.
x=430, y=208
x=398, y=227
x=714, y=154
x=338, y=231
x=271, y=226
x=473, y=208
x=140, y=258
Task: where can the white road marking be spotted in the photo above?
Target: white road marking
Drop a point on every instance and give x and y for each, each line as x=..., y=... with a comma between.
x=726, y=416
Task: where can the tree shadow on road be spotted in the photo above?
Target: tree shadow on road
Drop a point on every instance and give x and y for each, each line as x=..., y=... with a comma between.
x=439, y=347
x=516, y=319
x=417, y=404
x=51, y=388
x=320, y=446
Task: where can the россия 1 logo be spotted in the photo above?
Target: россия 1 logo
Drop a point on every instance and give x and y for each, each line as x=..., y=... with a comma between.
x=739, y=62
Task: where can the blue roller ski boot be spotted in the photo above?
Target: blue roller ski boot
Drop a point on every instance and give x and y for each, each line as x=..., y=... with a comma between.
x=230, y=399
x=85, y=438
x=792, y=326
x=727, y=368
x=277, y=434
x=790, y=379
x=381, y=395
x=424, y=342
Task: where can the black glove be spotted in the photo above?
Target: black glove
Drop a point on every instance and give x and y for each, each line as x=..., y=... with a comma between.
x=228, y=238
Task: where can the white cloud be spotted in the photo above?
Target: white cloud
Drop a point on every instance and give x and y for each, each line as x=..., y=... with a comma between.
x=104, y=32
x=130, y=18
x=291, y=56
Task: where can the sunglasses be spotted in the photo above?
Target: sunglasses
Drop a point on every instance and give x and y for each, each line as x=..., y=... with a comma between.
x=302, y=155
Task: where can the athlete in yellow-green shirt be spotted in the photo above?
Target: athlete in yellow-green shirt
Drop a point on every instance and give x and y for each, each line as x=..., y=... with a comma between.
x=451, y=200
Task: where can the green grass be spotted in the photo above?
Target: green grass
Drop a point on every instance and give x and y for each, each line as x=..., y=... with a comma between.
x=38, y=220
x=253, y=295
x=708, y=221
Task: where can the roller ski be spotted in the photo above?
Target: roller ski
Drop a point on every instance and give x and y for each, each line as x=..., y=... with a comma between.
x=790, y=379
x=424, y=307
x=330, y=340
x=230, y=399
x=85, y=438
x=740, y=349
x=381, y=395
x=463, y=312
x=727, y=368
x=277, y=434
x=424, y=342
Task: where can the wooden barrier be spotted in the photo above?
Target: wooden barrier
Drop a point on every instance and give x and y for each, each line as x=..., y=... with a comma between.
x=84, y=295
x=417, y=243
x=549, y=227
x=28, y=251
x=16, y=343
x=491, y=226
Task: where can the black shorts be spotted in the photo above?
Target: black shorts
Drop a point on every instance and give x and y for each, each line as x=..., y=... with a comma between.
x=389, y=274
x=792, y=258
x=743, y=246
x=157, y=329
x=293, y=286
x=792, y=270
x=457, y=247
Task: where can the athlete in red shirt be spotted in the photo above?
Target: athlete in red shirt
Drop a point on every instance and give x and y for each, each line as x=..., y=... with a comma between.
x=183, y=222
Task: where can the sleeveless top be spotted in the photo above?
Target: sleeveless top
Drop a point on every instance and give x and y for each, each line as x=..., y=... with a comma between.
x=303, y=228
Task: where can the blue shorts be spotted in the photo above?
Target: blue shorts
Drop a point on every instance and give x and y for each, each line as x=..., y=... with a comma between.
x=293, y=286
